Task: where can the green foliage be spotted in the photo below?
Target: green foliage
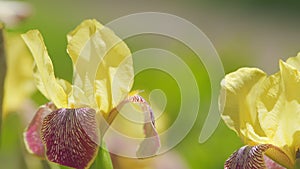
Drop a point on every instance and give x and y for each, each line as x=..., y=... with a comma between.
x=103, y=159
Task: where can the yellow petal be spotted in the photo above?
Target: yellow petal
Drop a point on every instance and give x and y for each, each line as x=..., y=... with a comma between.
x=291, y=81
x=268, y=104
x=237, y=100
x=280, y=156
x=104, y=71
x=115, y=73
x=252, y=137
x=78, y=38
x=86, y=49
x=65, y=85
x=78, y=98
x=279, y=109
x=75, y=99
x=294, y=61
x=44, y=73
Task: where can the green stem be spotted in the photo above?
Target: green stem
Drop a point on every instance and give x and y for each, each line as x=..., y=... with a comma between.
x=2, y=73
x=110, y=118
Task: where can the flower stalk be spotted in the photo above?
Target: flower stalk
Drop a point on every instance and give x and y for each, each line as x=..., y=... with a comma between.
x=2, y=72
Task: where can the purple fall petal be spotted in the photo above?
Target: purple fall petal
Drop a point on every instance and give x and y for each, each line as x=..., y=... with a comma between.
x=32, y=135
x=151, y=144
x=252, y=157
x=71, y=137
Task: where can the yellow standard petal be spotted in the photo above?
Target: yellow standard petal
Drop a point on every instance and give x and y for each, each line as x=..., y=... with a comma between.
x=44, y=74
x=115, y=73
x=237, y=102
x=105, y=73
x=279, y=109
x=86, y=49
x=79, y=37
x=294, y=61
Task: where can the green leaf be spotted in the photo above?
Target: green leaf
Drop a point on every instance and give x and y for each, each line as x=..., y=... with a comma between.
x=103, y=160
x=64, y=167
x=57, y=166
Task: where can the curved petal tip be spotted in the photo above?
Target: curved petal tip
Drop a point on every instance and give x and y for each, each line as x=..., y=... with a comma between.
x=151, y=144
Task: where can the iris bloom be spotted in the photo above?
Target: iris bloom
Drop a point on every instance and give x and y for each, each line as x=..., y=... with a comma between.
x=68, y=129
x=265, y=113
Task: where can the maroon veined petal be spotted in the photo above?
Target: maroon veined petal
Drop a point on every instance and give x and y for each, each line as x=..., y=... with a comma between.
x=252, y=157
x=32, y=134
x=151, y=144
x=71, y=137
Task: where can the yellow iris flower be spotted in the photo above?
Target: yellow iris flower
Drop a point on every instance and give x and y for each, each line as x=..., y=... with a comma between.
x=90, y=41
x=66, y=131
x=265, y=110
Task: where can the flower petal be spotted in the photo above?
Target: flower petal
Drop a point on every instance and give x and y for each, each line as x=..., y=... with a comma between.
x=291, y=81
x=115, y=72
x=294, y=61
x=102, y=56
x=272, y=164
x=44, y=74
x=151, y=144
x=279, y=110
x=237, y=100
x=71, y=137
x=249, y=157
x=67, y=86
x=32, y=135
x=269, y=103
x=279, y=156
x=78, y=38
x=86, y=49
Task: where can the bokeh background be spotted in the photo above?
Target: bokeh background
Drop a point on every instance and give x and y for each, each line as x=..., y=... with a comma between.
x=245, y=33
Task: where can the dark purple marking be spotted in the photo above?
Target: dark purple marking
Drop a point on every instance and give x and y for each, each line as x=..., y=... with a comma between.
x=252, y=157
x=71, y=137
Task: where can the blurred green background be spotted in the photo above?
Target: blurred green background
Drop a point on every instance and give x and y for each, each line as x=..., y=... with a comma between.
x=245, y=33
